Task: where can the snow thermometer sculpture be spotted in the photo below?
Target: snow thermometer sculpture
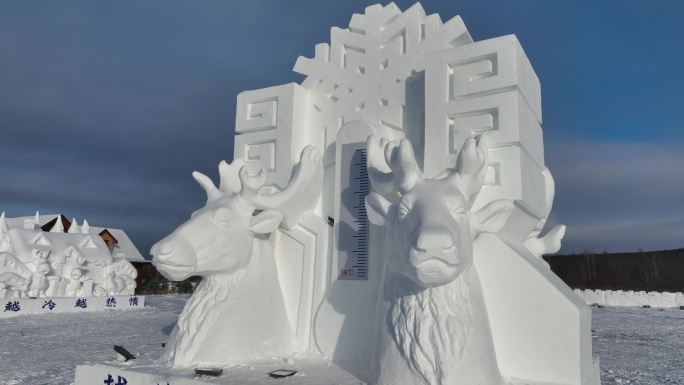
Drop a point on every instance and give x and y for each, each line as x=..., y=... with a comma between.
x=354, y=257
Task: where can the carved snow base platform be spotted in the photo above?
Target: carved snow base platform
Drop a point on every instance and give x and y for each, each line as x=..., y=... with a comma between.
x=309, y=371
x=23, y=306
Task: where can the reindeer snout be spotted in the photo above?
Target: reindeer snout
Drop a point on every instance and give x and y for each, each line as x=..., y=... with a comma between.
x=437, y=242
x=172, y=252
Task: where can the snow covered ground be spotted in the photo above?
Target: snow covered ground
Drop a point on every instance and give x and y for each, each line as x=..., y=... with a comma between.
x=45, y=349
x=636, y=346
x=639, y=346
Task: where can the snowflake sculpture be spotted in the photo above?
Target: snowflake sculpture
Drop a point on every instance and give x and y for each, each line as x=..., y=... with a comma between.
x=363, y=72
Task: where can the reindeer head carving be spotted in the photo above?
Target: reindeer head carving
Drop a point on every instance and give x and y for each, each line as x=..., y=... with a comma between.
x=218, y=237
x=430, y=225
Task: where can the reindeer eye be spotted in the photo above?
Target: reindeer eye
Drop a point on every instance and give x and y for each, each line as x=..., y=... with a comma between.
x=222, y=217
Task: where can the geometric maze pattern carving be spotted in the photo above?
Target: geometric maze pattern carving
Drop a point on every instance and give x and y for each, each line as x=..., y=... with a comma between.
x=261, y=115
x=489, y=87
x=271, y=128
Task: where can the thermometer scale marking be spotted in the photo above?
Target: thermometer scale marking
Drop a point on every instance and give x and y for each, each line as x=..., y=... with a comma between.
x=355, y=265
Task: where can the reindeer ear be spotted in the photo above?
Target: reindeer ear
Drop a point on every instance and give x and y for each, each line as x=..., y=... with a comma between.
x=266, y=221
x=492, y=217
x=377, y=208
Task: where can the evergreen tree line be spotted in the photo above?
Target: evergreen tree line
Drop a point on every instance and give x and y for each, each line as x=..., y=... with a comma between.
x=639, y=271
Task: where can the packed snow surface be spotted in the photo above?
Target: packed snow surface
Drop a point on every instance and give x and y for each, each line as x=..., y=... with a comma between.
x=639, y=346
x=636, y=346
x=45, y=349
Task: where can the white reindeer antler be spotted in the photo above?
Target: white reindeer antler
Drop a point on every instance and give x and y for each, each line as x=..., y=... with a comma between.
x=300, y=194
x=252, y=181
x=297, y=198
x=392, y=166
x=230, y=181
x=379, y=172
x=213, y=193
x=471, y=166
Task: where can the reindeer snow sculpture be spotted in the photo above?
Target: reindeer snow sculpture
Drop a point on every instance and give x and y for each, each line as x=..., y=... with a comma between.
x=435, y=329
x=237, y=313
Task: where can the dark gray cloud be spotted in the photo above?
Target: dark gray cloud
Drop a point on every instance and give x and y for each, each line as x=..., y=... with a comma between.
x=619, y=196
x=107, y=107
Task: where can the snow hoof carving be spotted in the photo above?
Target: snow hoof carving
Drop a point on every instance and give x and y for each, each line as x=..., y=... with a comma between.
x=237, y=314
x=435, y=330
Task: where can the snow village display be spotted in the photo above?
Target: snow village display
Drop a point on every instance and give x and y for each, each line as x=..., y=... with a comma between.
x=49, y=264
x=384, y=215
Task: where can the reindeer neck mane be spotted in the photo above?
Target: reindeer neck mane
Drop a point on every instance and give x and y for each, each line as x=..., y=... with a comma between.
x=429, y=327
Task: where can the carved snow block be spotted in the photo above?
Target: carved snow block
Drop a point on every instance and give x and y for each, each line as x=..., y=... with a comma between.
x=653, y=298
x=482, y=68
x=630, y=299
x=505, y=118
x=586, y=295
x=302, y=271
x=21, y=306
x=599, y=297
x=513, y=174
x=667, y=299
x=641, y=298
x=532, y=342
x=271, y=127
x=679, y=299
x=458, y=78
x=614, y=298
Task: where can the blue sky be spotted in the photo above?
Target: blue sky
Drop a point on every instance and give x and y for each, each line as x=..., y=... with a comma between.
x=107, y=107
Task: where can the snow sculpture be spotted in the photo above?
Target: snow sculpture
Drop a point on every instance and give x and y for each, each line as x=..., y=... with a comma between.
x=126, y=274
x=58, y=263
x=346, y=289
x=73, y=289
x=237, y=313
x=435, y=330
x=39, y=282
x=11, y=284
